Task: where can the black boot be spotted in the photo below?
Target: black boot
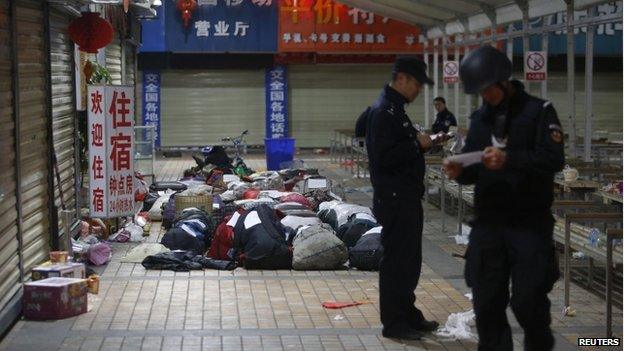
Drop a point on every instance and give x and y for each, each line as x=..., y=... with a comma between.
x=425, y=326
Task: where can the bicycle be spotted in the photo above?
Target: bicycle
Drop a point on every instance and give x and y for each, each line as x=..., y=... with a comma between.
x=239, y=166
x=217, y=156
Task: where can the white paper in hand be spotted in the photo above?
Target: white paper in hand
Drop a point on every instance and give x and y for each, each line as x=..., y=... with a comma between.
x=467, y=159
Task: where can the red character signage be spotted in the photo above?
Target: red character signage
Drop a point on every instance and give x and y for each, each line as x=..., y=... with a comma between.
x=329, y=26
x=111, y=134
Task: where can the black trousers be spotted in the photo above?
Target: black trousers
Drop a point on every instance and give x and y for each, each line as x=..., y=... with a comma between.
x=525, y=253
x=400, y=266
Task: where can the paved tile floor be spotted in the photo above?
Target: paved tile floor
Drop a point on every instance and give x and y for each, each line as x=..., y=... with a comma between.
x=138, y=309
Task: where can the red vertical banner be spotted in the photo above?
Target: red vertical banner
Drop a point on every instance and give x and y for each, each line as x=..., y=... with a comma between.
x=330, y=26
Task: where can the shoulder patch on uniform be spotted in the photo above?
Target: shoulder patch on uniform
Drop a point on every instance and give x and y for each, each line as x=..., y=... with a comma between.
x=555, y=127
x=556, y=136
x=556, y=133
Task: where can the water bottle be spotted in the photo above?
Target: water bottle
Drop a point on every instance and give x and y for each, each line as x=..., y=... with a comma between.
x=594, y=237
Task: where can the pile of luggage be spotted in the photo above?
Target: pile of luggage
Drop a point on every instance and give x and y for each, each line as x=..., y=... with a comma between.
x=269, y=220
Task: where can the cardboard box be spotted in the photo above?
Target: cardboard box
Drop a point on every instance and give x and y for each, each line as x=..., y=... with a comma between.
x=63, y=270
x=54, y=298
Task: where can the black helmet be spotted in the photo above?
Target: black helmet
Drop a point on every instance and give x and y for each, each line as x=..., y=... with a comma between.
x=482, y=68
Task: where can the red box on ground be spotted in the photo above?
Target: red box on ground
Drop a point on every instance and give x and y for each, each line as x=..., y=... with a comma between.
x=54, y=298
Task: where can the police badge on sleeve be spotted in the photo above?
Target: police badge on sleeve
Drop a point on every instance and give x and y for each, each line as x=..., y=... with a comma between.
x=556, y=133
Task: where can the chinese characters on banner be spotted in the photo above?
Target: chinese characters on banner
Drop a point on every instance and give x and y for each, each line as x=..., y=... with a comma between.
x=111, y=161
x=98, y=194
x=151, y=101
x=329, y=26
x=276, y=103
x=225, y=26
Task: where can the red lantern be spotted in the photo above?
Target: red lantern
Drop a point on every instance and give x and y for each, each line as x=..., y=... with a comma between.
x=186, y=7
x=90, y=32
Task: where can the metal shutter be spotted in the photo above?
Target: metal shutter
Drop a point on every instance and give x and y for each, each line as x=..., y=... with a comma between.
x=33, y=161
x=202, y=107
x=138, y=99
x=63, y=110
x=113, y=59
x=130, y=59
x=328, y=97
x=9, y=244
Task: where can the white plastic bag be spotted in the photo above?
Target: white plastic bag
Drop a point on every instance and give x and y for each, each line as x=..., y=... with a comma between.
x=344, y=211
x=155, y=213
x=136, y=232
x=295, y=222
x=457, y=326
x=328, y=205
x=202, y=189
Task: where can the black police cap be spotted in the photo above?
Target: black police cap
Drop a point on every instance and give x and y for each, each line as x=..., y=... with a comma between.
x=414, y=67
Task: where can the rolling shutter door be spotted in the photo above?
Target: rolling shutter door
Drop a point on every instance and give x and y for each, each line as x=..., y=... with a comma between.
x=201, y=107
x=130, y=57
x=33, y=133
x=113, y=60
x=63, y=110
x=9, y=244
x=328, y=97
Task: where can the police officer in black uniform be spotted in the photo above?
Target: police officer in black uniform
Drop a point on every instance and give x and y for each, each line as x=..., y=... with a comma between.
x=444, y=118
x=397, y=166
x=512, y=235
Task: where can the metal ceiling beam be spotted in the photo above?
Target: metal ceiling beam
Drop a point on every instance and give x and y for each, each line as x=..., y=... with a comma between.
x=461, y=6
x=490, y=12
x=522, y=4
x=583, y=22
x=465, y=23
x=438, y=7
x=416, y=7
x=474, y=2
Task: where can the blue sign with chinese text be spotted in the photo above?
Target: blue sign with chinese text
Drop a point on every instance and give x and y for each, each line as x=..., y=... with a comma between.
x=223, y=26
x=276, y=103
x=153, y=33
x=151, y=101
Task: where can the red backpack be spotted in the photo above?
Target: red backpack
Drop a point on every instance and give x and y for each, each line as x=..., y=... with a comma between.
x=222, y=242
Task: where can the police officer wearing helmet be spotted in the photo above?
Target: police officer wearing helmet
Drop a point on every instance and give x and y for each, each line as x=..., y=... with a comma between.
x=512, y=235
x=397, y=167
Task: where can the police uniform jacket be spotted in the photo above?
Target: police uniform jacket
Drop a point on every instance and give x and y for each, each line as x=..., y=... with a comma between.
x=444, y=120
x=534, y=147
x=396, y=162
